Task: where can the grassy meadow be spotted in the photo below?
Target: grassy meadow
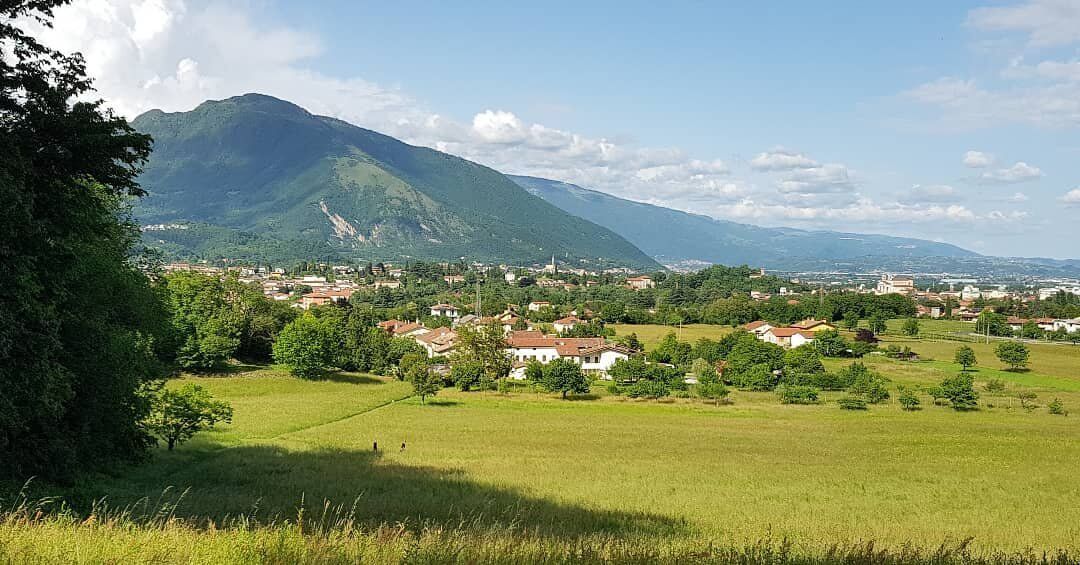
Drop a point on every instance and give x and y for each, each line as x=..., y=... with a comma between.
x=526, y=476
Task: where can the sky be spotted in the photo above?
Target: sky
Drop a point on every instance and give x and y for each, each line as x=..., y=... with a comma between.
x=951, y=121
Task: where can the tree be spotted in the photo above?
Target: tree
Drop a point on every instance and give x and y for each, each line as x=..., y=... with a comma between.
x=990, y=322
x=671, y=350
x=467, y=375
x=484, y=345
x=1031, y=330
x=851, y=320
x=960, y=392
x=802, y=365
x=305, y=347
x=829, y=343
x=181, y=413
x=1012, y=353
x=82, y=332
x=908, y=399
x=878, y=323
x=867, y=383
x=965, y=357
x=565, y=376
x=424, y=381
x=534, y=371
x=911, y=327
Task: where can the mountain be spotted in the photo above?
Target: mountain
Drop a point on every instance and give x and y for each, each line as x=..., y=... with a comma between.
x=257, y=178
x=673, y=236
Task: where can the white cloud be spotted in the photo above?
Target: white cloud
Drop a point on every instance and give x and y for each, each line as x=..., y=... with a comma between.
x=1019, y=197
x=829, y=178
x=1072, y=198
x=1045, y=22
x=170, y=55
x=1068, y=71
x=780, y=159
x=977, y=159
x=1019, y=172
x=965, y=105
x=934, y=193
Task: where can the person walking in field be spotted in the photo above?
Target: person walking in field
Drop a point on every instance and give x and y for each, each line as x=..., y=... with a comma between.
x=375, y=446
x=403, y=447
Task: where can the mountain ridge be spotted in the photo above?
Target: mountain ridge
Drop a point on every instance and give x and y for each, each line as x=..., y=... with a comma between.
x=278, y=173
x=672, y=235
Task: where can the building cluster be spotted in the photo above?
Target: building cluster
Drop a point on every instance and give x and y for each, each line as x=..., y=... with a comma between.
x=788, y=337
x=596, y=355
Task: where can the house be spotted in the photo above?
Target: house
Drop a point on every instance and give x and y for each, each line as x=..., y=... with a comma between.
x=537, y=305
x=510, y=277
x=758, y=327
x=895, y=284
x=437, y=342
x=340, y=295
x=387, y=284
x=390, y=325
x=1015, y=324
x=445, y=310
x=594, y=354
x=314, y=299
x=454, y=279
x=640, y=283
x=813, y=326
x=566, y=324
x=1070, y=326
x=410, y=329
x=1045, y=324
x=466, y=320
x=788, y=337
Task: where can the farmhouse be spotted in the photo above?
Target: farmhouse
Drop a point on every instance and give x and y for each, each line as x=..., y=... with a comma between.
x=387, y=284
x=813, y=326
x=410, y=329
x=314, y=299
x=594, y=354
x=640, y=283
x=788, y=337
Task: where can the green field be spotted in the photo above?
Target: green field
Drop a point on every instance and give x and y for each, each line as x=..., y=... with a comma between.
x=650, y=334
x=527, y=476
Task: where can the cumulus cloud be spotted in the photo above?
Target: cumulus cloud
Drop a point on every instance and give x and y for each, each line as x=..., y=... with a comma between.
x=1019, y=172
x=977, y=159
x=830, y=178
x=964, y=104
x=1072, y=198
x=780, y=159
x=1046, y=22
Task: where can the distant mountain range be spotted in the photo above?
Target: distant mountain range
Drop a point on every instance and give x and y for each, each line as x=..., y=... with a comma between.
x=671, y=235
x=257, y=178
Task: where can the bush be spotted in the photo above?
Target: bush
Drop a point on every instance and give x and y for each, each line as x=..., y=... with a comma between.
x=715, y=391
x=995, y=386
x=851, y=403
x=797, y=394
x=1027, y=399
x=1057, y=408
x=908, y=399
x=613, y=388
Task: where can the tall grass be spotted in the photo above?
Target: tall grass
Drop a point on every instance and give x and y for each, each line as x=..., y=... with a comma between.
x=46, y=531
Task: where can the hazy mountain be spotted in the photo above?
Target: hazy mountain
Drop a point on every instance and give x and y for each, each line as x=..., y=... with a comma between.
x=255, y=177
x=671, y=235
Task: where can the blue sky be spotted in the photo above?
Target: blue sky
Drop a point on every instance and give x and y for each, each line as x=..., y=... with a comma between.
x=954, y=121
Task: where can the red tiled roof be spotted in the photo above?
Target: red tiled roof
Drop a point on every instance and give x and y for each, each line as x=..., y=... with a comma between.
x=755, y=325
x=406, y=328
x=568, y=320
x=788, y=332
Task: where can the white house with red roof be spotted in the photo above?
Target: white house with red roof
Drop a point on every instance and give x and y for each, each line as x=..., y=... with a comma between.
x=566, y=324
x=788, y=337
x=594, y=354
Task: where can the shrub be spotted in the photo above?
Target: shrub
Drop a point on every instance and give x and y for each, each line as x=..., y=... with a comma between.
x=851, y=403
x=796, y=394
x=995, y=386
x=716, y=391
x=613, y=388
x=908, y=399
x=960, y=391
x=1027, y=399
x=1057, y=408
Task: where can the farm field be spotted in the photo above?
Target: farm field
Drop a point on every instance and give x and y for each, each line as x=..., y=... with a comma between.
x=651, y=334
x=670, y=474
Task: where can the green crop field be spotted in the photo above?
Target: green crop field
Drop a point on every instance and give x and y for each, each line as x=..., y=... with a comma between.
x=524, y=474
x=650, y=334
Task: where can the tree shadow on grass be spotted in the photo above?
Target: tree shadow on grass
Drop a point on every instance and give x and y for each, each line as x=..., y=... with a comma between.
x=270, y=483
x=587, y=396
x=443, y=403
x=349, y=378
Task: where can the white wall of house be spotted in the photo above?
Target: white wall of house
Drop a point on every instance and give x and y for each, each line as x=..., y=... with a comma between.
x=601, y=362
x=541, y=354
x=799, y=340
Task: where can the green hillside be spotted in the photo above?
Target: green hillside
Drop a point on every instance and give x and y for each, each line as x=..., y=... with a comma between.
x=255, y=177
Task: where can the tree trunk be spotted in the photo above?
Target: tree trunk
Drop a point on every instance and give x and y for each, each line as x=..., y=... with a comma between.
x=172, y=443
x=564, y=395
